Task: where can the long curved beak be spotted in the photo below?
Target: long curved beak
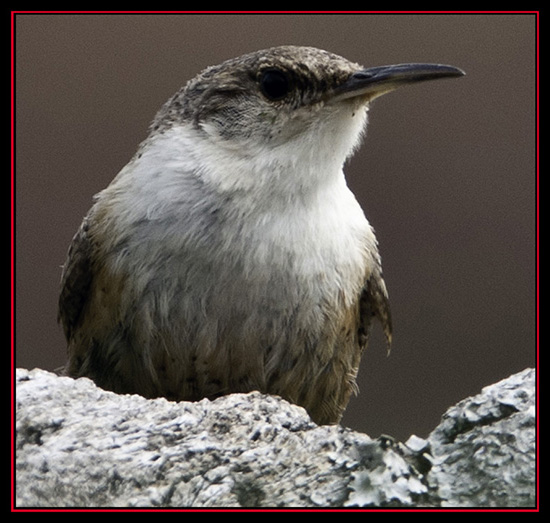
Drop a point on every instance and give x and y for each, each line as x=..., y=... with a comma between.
x=376, y=81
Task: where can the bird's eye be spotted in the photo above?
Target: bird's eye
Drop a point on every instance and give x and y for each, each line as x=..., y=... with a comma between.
x=274, y=84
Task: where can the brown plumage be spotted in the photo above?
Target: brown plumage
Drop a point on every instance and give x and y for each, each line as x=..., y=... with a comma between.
x=229, y=254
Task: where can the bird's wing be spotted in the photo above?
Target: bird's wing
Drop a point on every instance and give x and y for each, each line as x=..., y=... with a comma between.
x=76, y=280
x=374, y=302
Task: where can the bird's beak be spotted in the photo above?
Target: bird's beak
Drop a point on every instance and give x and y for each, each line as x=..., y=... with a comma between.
x=375, y=81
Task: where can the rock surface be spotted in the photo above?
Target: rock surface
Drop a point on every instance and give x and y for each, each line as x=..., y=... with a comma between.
x=484, y=448
x=80, y=446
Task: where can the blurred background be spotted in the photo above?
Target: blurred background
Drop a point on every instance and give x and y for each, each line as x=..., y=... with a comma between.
x=446, y=175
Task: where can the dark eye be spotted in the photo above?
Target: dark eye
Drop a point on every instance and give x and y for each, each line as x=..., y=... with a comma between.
x=274, y=84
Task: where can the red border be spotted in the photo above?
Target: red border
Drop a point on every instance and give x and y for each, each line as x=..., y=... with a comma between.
x=12, y=254
x=538, y=258
x=12, y=295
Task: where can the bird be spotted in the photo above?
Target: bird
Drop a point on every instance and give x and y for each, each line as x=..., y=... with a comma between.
x=229, y=255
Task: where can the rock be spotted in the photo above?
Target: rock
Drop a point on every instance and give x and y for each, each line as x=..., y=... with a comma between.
x=484, y=449
x=80, y=446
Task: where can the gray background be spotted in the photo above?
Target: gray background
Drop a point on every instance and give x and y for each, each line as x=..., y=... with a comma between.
x=447, y=176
